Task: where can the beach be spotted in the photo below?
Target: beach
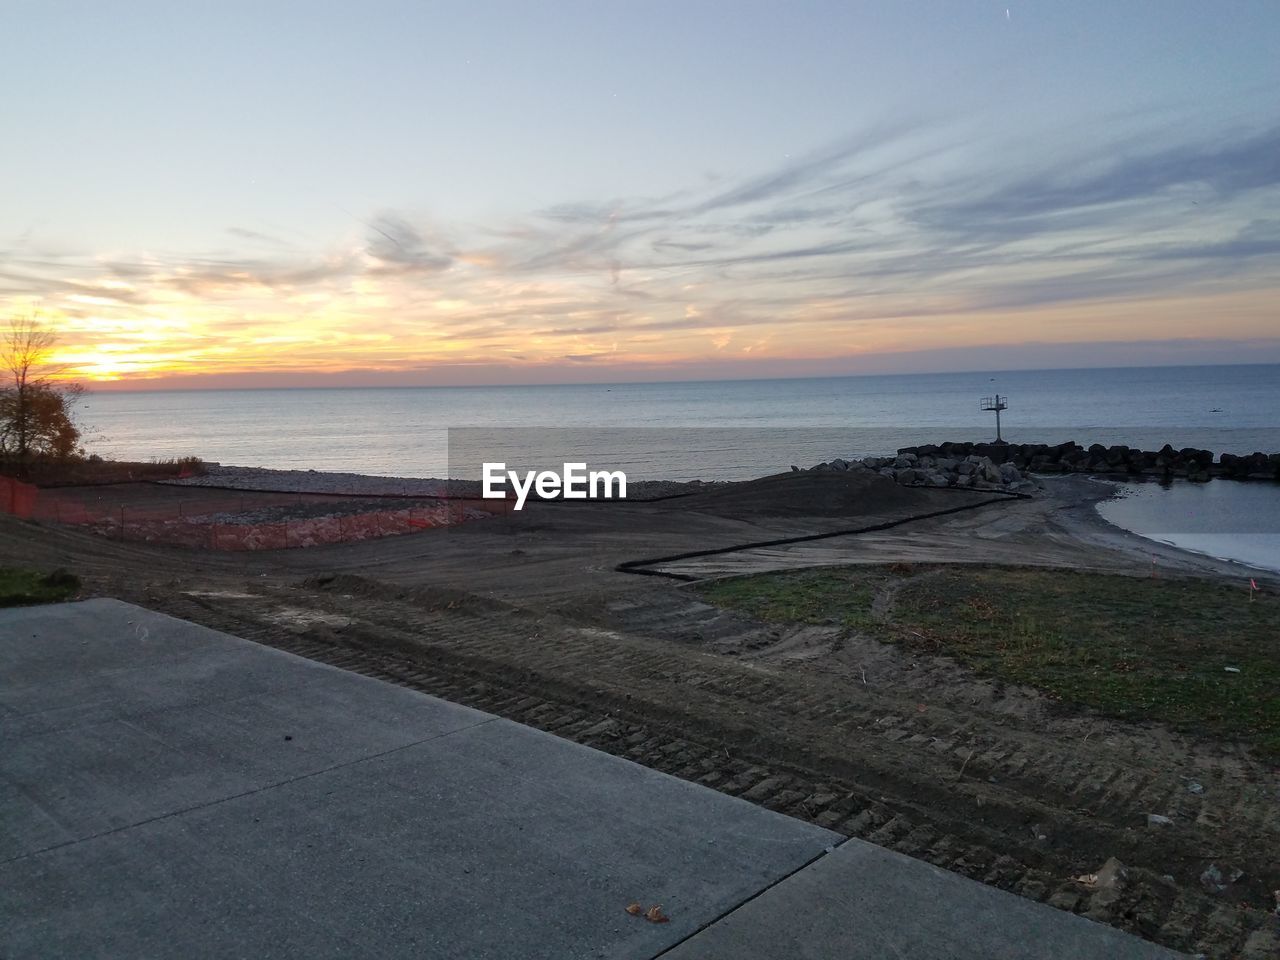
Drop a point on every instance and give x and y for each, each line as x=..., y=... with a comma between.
x=1242, y=530
x=363, y=485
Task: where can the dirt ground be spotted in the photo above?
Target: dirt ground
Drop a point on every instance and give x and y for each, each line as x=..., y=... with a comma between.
x=529, y=617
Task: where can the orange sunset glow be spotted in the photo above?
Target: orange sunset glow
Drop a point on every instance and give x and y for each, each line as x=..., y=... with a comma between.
x=570, y=327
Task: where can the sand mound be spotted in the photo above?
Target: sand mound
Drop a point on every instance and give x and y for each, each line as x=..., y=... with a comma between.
x=806, y=494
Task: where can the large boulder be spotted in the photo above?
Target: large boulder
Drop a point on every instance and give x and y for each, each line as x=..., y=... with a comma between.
x=1045, y=463
x=995, y=452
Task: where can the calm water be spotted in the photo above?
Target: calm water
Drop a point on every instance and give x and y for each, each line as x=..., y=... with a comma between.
x=727, y=430
x=1223, y=518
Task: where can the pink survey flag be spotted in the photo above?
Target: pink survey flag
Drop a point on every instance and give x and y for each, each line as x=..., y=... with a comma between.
x=1253, y=584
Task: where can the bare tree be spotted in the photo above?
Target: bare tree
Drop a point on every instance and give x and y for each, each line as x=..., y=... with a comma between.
x=36, y=408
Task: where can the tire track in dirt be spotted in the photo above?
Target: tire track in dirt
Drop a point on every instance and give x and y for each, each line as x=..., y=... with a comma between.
x=865, y=763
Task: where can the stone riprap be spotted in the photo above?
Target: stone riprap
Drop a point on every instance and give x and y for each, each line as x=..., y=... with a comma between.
x=971, y=472
x=1006, y=466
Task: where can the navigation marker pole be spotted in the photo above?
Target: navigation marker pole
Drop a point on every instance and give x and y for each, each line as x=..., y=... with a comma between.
x=996, y=404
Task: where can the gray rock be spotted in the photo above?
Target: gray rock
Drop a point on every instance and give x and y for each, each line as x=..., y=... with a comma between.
x=1215, y=879
x=1108, y=886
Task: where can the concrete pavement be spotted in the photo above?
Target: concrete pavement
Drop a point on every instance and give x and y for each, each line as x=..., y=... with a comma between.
x=168, y=790
x=863, y=902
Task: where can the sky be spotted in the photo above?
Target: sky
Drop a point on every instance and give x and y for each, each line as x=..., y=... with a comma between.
x=293, y=194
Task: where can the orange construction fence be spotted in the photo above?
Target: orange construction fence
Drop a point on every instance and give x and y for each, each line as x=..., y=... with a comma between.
x=209, y=519
x=18, y=498
x=304, y=532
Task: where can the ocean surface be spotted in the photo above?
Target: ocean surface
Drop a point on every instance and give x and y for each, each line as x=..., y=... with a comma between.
x=725, y=429
x=709, y=430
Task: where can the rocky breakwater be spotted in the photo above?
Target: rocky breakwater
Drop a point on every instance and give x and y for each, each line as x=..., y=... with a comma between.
x=971, y=471
x=1010, y=466
x=1070, y=457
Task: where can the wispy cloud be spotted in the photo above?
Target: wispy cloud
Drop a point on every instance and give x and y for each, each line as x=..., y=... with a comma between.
x=1224, y=170
x=876, y=239
x=398, y=247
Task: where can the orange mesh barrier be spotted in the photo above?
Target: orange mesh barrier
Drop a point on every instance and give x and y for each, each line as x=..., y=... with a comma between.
x=213, y=519
x=18, y=498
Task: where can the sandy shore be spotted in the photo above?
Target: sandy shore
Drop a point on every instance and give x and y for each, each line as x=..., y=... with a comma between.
x=314, y=481
x=364, y=485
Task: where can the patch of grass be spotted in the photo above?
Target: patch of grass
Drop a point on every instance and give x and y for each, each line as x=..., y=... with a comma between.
x=1141, y=649
x=21, y=587
x=832, y=595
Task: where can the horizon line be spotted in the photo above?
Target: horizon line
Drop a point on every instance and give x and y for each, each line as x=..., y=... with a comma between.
x=90, y=386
